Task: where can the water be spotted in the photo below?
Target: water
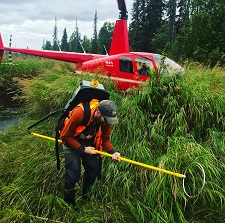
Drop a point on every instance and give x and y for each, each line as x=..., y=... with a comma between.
x=8, y=113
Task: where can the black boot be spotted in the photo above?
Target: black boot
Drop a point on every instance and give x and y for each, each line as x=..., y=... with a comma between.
x=69, y=198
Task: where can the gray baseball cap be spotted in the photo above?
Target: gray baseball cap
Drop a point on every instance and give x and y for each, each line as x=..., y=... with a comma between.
x=108, y=110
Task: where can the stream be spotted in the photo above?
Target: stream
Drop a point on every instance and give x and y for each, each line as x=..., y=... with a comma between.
x=8, y=112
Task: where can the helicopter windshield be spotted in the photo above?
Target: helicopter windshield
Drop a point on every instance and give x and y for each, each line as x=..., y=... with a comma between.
x=167, y=66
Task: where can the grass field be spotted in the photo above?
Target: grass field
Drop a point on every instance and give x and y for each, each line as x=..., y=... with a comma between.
x=168, y=123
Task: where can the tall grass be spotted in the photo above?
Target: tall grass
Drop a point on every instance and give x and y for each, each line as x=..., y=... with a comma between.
x=25, y=69
x=169, y=123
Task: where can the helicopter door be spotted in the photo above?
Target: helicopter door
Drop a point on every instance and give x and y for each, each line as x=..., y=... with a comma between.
x=126, y=65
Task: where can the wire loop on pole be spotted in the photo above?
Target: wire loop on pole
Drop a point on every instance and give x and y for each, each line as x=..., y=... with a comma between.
x=186, y=178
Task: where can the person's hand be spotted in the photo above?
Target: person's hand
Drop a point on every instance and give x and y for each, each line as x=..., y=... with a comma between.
x=116, y=156
x=89, y=150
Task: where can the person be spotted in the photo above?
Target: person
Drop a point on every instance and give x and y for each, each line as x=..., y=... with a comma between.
x=80, y=141
x=144, y=69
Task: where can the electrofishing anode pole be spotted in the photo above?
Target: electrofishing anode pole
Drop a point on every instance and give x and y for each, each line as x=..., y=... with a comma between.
x=144, y=165
x=121, y=158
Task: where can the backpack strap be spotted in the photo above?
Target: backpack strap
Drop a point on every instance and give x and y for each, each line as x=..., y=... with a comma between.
x=57, y=136
x=87, y=114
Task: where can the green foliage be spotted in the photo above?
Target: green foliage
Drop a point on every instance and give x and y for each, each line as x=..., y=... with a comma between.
x=86, y=43
x=168, y=123
x=105, y=37
x=74, y=41
x=192, y=30
x=201, y=38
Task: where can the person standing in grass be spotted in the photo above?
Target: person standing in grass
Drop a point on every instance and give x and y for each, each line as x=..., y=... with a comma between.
x=79, y=141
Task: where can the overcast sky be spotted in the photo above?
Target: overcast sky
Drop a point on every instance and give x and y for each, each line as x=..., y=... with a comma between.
x=32, y=21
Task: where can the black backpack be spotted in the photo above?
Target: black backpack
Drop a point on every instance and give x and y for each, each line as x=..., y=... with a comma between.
x=84, y=94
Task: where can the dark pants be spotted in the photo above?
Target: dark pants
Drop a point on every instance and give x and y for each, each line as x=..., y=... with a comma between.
x=73, y=172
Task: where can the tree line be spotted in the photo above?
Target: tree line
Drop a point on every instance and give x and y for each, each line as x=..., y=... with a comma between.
x=180, y=29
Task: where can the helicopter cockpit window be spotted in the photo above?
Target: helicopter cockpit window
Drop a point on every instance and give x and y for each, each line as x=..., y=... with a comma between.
x=167, y=66
x=144, y=66
x=126, y=65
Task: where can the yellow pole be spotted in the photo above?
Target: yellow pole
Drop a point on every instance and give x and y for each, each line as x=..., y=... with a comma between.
x=143, y=165
x=45, y=137
x=121, y=158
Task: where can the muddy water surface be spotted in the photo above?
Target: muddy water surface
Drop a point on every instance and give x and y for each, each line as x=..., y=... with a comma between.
x=8, y=112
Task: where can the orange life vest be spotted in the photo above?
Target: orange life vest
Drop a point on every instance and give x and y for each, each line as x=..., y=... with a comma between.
x=97, y=140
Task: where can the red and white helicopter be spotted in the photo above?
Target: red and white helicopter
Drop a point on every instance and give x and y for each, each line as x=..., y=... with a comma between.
x=120, y=65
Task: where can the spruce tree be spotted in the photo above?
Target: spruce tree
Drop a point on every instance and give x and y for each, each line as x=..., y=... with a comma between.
x=171, y=13
x=55, y=45
x=75, y=40
x=94, y=41
x=146, y=20
x=154, y=20
x=139, y=38
x=47, y=45
x=64, y=41
x=133, y=26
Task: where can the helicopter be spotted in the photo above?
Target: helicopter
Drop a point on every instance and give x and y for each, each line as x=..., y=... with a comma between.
x=120, y=65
